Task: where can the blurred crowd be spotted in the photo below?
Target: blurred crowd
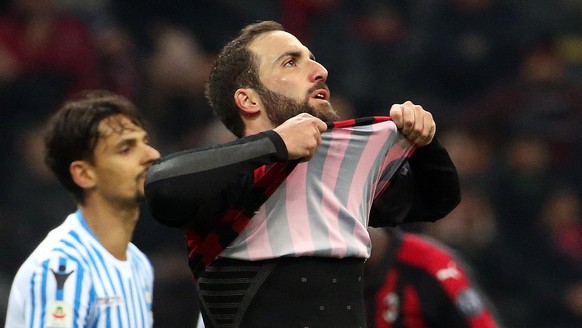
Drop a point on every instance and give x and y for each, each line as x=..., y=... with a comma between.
x=503, y=79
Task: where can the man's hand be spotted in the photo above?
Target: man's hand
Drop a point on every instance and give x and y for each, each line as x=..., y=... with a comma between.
x=302, y=135
x=416, y=124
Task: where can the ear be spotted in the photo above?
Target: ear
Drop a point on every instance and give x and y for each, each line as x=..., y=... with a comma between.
x=82, y=174
x=248, y=100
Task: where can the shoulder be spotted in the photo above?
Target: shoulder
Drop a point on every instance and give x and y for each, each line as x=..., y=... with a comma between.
x=426, y=253
x=138, y=258
x=67, y=242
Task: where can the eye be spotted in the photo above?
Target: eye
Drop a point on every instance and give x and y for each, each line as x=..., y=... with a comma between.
x=125, y=150
x=290, y=62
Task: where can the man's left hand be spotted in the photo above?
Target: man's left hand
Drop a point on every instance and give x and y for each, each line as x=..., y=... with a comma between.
x=416, y=124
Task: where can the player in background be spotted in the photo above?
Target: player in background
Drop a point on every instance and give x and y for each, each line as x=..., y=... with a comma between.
x=415, y=282
x=86, y=272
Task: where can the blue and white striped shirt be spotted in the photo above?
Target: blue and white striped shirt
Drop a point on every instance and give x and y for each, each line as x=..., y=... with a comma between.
x=71, y=280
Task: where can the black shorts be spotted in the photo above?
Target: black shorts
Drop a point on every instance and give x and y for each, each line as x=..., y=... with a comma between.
x=303, y=292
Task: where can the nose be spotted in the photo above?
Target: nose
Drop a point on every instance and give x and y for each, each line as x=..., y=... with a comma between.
x=319, y=73
x=151, y=154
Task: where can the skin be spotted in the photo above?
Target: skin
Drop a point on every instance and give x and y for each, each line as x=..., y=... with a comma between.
x=380, y=241
x=287, y=67
x=114, y=182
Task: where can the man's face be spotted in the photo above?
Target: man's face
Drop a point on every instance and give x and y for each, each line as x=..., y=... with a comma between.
x=122, y=157
x=293, y=81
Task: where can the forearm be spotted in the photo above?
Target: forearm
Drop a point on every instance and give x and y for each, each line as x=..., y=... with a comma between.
x=425, y=189
x=180, y=186
x=436, y=183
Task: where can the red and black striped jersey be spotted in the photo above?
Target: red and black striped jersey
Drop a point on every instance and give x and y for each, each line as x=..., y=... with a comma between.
x=421, y=284
x=215, y=192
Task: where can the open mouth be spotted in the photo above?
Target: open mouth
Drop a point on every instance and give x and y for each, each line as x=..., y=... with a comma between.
x=322, y=94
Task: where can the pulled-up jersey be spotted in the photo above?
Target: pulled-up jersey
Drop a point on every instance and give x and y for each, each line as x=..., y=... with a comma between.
x=321, y=208
x=246, y=200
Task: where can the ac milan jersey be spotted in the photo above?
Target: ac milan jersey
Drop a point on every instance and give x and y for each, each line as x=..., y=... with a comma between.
x=70, y=280
x=422, y=285
x=246, y=195
x=321, y=208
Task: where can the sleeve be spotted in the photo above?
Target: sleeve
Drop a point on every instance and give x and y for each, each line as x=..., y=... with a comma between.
x=462, y=303
x=191, y=187
x=54, y=293
x=426, y=188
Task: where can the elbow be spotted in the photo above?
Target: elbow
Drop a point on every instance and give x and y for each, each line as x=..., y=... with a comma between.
x=437, y=199
x=445, y=199
x=165, y=208
x=446, y=205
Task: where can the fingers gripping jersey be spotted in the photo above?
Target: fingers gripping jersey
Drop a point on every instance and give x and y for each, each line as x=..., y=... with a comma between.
x=70, y=280
x=321, y=208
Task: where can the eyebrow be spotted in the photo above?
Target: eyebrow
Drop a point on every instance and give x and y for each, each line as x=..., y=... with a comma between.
x=132, y=138
x=294, y=54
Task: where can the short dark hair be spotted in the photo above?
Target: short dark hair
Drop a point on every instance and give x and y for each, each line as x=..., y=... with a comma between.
x=73, y=132
x=236, y=67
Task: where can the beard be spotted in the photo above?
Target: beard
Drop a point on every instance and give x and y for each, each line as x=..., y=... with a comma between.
x=280, y=108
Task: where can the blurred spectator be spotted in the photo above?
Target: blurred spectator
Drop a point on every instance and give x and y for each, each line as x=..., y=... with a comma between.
x=470, y=228
x=502, y=239
x=551, y=264
x=387, y=32
x=37, y=201
x=467, y=45
x=115, y=48
x=44, y=56
x=175, y=76
x=525, y=180
x=541, y=100
x=475, y=158
x=213, y=22
x=555, y=261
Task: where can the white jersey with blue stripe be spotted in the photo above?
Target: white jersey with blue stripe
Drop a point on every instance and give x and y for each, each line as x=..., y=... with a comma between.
x=71, y=280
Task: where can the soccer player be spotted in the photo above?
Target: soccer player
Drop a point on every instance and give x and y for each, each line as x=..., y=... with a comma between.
x=276, y=220
x=86, y=272
x=412, y=281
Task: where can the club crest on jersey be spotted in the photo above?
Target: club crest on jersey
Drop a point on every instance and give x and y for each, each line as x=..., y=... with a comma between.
x=59, y=315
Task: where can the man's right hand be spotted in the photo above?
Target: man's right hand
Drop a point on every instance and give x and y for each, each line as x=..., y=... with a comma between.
x=302, y=135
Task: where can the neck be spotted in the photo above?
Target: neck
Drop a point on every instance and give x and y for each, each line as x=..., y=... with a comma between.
x=256, y=123
x=113, y=226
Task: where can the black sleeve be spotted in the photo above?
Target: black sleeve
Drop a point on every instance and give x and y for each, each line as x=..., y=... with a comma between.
x=192, y=186
x=424, y=190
